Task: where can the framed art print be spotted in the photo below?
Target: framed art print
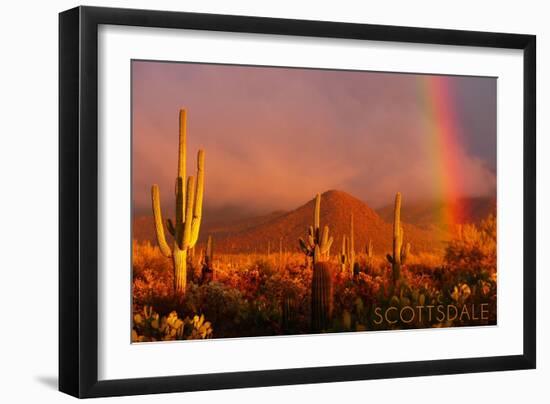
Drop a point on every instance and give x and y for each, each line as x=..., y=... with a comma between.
x=250, y=201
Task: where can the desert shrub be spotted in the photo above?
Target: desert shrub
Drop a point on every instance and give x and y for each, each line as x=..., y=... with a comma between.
x=148, y=257
x=223, y=305
x=153, y=278
x=424, y=264
x=148, y=326
x=472, y=255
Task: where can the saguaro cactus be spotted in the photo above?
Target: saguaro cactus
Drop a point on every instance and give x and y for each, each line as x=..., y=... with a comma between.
x=321, y=297
x=395, y=257
x=207, y=272
x=317, y=246
x=347, y=255
x=185, y=228
x=369, y=249
x=405, y=252
x=344, y=253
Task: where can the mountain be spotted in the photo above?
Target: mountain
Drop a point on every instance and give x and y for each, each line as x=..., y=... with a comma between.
x=260, y=233
x=428, y=215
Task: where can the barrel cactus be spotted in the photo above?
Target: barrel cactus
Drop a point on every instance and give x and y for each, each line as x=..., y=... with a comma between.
x=189, y=195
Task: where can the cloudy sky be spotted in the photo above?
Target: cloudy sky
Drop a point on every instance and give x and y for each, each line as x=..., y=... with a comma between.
x=274, y=137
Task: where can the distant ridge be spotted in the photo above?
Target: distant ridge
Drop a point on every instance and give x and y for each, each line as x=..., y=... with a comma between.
x=256, y=234
x=428, y=214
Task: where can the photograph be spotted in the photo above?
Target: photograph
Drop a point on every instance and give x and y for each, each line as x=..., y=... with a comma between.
x=271, y=201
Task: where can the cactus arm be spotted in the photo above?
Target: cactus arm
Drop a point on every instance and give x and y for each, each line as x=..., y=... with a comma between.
x=180, y=211
x=329, y=244
x=180, y=186
x=182, y=149
x=304, y=247
x=189, y=212
x=324, y=237
x=317, y=212
x=195, y=227
x=159, y=229
x=311, y=237
x=199, y=194
x=326, y=242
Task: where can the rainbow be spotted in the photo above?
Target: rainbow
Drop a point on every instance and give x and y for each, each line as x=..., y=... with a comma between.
x=443, y=131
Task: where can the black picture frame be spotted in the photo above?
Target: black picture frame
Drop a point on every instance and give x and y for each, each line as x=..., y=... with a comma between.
x=78, y=201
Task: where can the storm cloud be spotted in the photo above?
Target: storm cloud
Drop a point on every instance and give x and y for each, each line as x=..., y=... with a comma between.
x=274, y=137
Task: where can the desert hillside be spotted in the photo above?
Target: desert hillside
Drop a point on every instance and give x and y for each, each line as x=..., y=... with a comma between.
x=260, y=233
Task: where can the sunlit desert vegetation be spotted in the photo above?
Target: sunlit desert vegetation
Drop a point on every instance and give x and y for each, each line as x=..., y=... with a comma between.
x=260, y=294
x=183, y=288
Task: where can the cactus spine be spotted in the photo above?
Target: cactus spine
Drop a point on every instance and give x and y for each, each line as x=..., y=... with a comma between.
x=317, y=245
x=347, y=255
x=395, y=258
x=321, y=297
x=189, y=197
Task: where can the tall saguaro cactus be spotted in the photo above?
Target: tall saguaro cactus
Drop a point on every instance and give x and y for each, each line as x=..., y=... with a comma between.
x=317, y=245
x=395, y=257
x=185, y=229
